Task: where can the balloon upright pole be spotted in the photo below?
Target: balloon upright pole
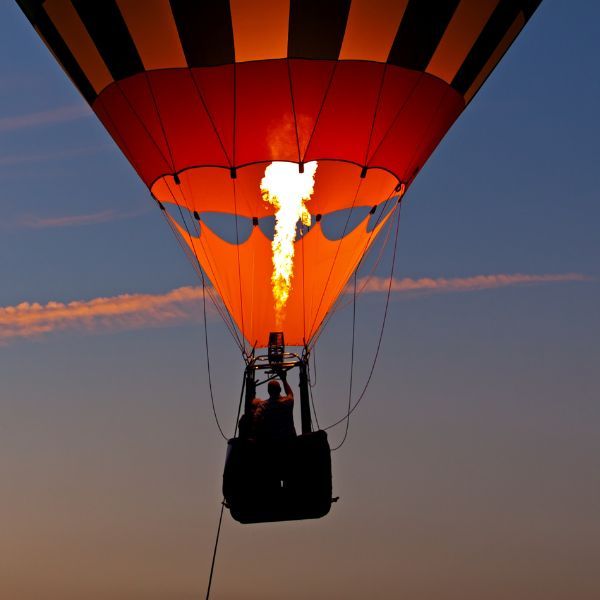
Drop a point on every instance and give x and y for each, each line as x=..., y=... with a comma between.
x=250, y=389
x=304, y=397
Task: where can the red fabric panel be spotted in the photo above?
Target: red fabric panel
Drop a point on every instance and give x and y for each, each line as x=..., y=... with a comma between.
x=131, y=134
x=191, y=135
x=264, y=118
x=139, y=95
x=216, y=86
x=310, y=80
x=102, y=114
x=345, y=123
x=448, y=110
x=396, y=125
x=416, y=125
x=397, y=88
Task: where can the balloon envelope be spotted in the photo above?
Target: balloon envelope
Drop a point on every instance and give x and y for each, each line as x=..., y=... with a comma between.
x=202, y=96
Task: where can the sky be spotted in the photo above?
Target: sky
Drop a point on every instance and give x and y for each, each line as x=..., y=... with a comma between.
x=472, y=467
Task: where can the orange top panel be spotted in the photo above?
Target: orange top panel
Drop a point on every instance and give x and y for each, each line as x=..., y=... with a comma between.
x=463, y=30
x=154, y=32
x=260, y=29
x=73, y=31
x=371, y=29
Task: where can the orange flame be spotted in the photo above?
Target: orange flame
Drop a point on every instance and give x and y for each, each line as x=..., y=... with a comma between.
x=285, y=188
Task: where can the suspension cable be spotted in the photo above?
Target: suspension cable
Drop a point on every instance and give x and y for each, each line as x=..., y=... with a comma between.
x=171, y=165
x=311, y=385
x=351, y=366
x=190, y=252
x=218, y=536
x=199, y=270
x=381, y=331
x=357, y=292
x=225, y=314
x=337, y=251
x=214, y=556
x=338, y=303
x=314, y=368
x=208, y=370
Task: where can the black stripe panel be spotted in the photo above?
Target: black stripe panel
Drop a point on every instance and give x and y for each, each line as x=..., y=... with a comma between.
x=205, y=30
x=108, y=30
x=487, y=42
x=35, y=13
x=422, y=27
x=529, y=7
x=317, y=28
x=31, y=8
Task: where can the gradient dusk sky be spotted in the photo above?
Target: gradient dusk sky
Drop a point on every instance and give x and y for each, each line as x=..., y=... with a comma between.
x=472, y=468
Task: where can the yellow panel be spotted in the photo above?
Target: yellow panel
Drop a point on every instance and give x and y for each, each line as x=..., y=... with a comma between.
x=73, y=31
x=260, y=29
x=371, y=29
x=152, y=27
x=507, y=40
x=462, y=32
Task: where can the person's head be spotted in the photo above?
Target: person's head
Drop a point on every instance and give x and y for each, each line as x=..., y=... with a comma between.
x=274, y=388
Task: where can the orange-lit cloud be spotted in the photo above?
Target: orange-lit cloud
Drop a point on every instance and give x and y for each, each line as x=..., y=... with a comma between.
x=53, y=116
x=123, y=312
x=33, y=222
x=463, y=284
x=105, y=216
x=137, y=311
x=10, y=160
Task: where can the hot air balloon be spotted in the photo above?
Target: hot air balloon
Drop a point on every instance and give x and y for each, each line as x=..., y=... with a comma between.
x=295, y=112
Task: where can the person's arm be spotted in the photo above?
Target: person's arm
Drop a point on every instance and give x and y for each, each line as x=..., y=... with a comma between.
x=250, y=399
x=286, y=386
x=251, y=388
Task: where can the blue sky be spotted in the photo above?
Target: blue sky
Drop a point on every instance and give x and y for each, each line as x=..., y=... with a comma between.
x=471, y=469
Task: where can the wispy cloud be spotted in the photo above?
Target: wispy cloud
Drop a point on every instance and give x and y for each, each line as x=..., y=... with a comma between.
x=105, y=216
x=62, y=114
x=464, y=284
x=123, y=312
x=10, y=160
x=138, y=311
